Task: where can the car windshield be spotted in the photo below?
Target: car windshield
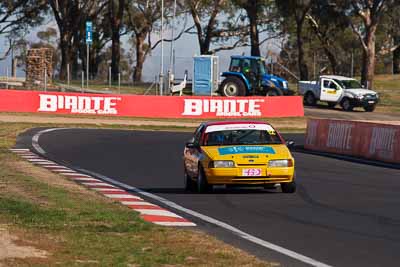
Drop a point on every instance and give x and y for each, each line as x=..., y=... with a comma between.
x=241, y=137
x=349, y=84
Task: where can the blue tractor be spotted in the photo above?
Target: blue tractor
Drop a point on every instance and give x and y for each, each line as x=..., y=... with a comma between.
x=247, y=75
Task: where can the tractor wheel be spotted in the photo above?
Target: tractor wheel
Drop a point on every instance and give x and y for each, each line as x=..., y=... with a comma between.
x=232, y=86
x=274, y=92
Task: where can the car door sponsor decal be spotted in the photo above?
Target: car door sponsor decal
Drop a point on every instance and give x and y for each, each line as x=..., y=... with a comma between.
x=245, y=150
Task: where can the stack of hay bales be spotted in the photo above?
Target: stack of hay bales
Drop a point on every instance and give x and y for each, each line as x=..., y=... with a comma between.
x=37, y=62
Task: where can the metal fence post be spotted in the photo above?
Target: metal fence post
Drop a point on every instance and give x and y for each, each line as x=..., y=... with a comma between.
x=83, y=80
x=45, y=79
x=109, y=78
x=7, y=78
x=68, y=75
x=119, y=83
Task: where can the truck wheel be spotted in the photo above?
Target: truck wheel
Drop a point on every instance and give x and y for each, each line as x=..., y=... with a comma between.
x=309, y=99
x=232, y=86
x=274, y=92
x=369, y=108
x=347, y=105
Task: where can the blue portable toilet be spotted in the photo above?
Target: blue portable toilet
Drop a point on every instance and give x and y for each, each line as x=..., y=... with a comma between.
x=205, y=75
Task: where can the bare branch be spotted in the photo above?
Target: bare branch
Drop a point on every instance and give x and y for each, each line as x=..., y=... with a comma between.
x=170, y=40
x=359, y=35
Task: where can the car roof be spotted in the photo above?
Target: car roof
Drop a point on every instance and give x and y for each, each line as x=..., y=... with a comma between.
x=209, y=123
x=337, y=77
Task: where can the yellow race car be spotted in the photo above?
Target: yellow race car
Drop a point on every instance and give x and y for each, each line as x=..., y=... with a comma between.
x=238, y=153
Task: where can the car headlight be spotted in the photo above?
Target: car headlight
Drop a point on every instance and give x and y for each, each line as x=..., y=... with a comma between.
x=280, y=163
x=360, y=96
x=222, y=164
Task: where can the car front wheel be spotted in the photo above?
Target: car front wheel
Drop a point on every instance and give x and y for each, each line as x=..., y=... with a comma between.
x=202, y=184
x=189, y=184
x=347, y=105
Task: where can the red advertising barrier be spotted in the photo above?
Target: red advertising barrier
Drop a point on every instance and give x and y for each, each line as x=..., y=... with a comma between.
x=361, y=139
x=150, y=106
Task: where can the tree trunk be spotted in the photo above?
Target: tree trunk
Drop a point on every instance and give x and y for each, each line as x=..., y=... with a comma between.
x=332, y=60
x=368, y=66
x=116, y=14
x=66, y=55
x=115, y=55
x=140, y=57
x=396, y=56
x=303, y=69
x=251, y=9
x=205, y=46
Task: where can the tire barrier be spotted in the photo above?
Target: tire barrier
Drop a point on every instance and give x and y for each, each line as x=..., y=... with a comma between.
x=360, y=139
x=150, y=106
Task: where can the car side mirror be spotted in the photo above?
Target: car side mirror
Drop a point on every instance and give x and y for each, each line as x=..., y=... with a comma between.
x=191, y=145
x=290, y=144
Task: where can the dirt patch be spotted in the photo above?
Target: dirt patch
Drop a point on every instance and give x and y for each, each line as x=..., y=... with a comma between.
x=11, y=249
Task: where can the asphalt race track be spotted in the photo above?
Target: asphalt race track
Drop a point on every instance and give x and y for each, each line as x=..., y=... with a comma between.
x=344, y=213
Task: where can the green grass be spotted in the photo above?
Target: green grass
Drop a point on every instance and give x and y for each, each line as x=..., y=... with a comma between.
x=388, y=87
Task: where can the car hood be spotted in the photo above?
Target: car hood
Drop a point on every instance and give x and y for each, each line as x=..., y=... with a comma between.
x=360, y=91
x=247, y=153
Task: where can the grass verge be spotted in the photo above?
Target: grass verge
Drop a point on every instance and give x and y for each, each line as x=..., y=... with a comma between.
x=75, y=226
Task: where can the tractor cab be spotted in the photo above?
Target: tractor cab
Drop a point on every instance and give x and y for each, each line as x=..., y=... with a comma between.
x=247, y=75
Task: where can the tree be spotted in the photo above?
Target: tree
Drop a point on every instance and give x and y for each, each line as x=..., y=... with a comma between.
x=327, y=30
x=17, y=15
x=142, y=17
x=261, y=14
x=390, y=28
x=210, y=29
x=297, y=10
x=364, y=18
x=70, y=16
x=116, y=10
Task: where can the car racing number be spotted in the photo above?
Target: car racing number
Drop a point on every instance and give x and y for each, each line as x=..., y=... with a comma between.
x=251, y=172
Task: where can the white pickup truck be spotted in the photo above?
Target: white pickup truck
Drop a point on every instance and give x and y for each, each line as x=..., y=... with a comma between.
x=341, y=90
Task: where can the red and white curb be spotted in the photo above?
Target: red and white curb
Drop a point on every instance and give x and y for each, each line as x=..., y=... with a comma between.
x=148, y=211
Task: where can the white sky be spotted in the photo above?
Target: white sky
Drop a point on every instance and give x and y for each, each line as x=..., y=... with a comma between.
x=186, y=47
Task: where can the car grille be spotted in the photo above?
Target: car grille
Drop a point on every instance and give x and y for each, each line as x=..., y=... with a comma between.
x=252, y=164
x=370, y=97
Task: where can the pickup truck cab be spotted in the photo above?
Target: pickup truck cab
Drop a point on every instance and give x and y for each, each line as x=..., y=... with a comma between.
x=341, y=90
